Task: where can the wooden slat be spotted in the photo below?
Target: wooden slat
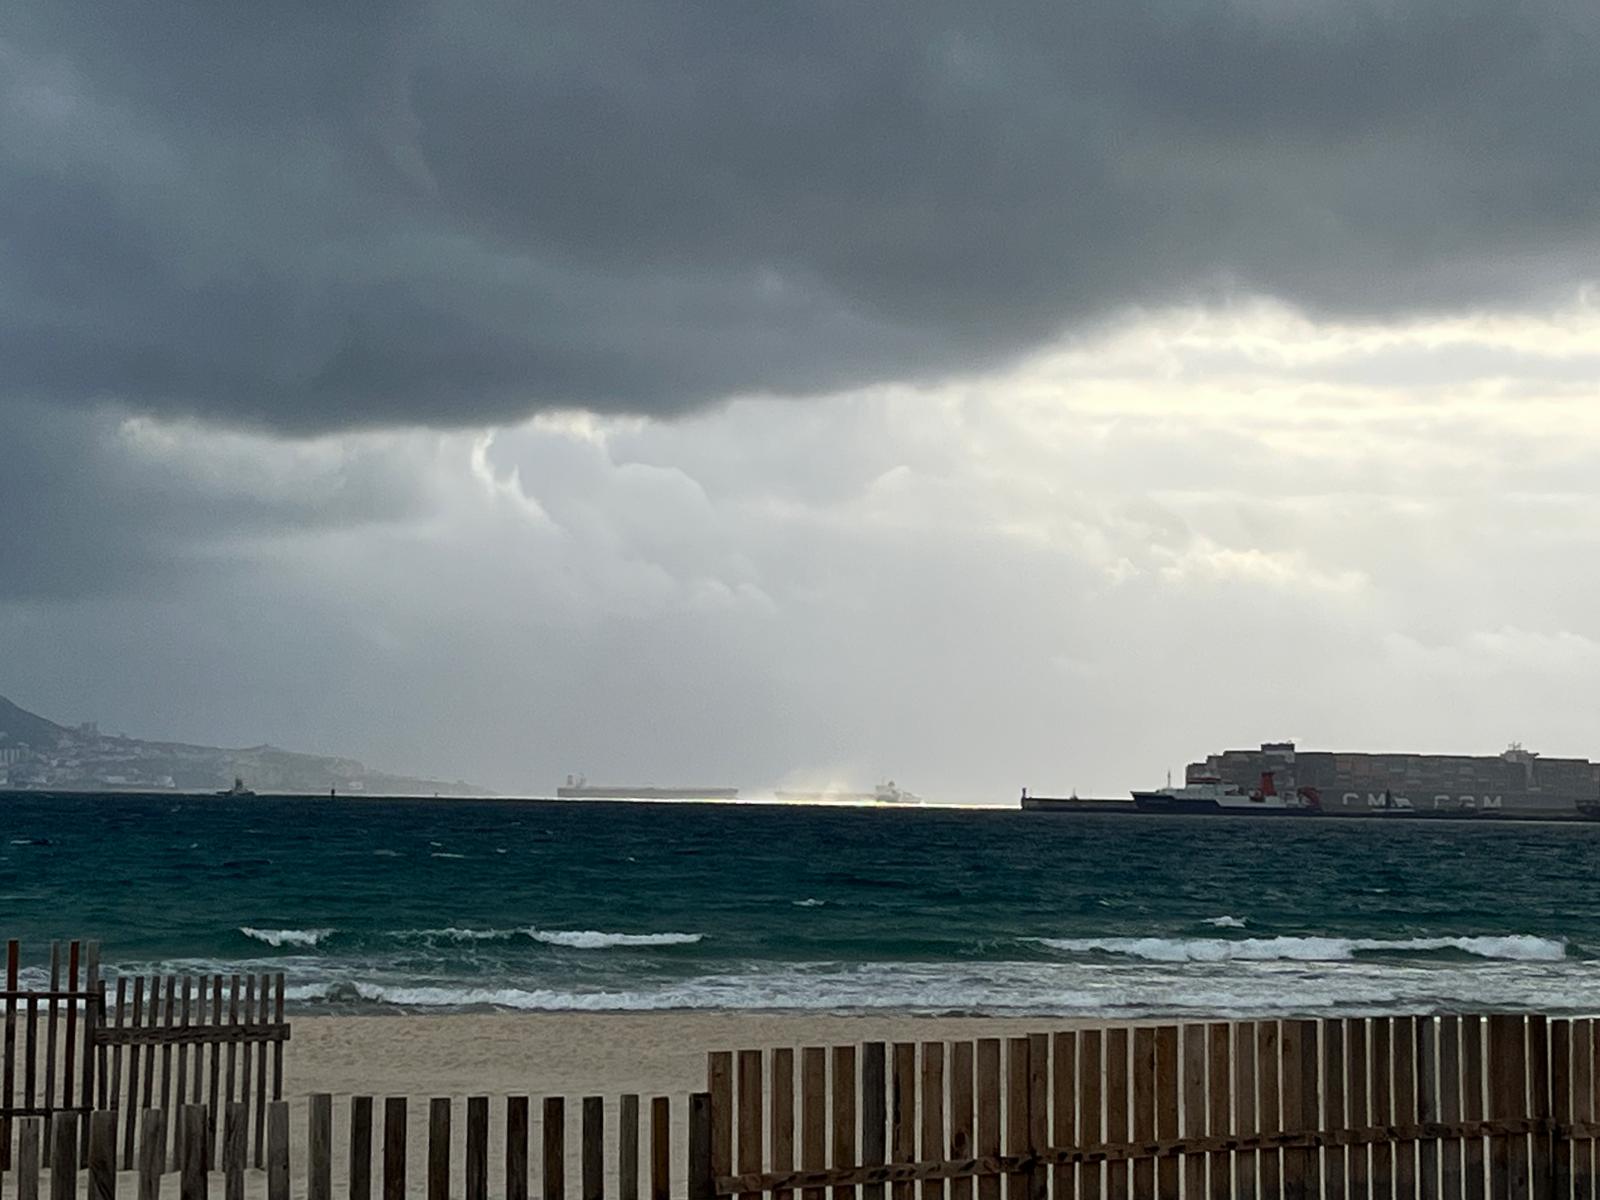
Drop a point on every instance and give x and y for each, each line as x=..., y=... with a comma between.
x=593, y=1173
x=319, y=1147
x=702, y=1182
x=1195, y=1119
x=661, y=1146
x=1167, y=1055
x=875, y=1112
x=94, y=1056
x=1038, y=1114
x=152, y=1140
x=1449, y=1057
x=1298, y=1094
x=114, y=1091
x=1118, y=1175
x=233, y=1150
x=903, y=1112
x=1219, y=1105
x=1246, y=1164
x=30, y=1132
x=1404, y=1043
x=1334, y=1175
x=277, y=1045
x=1381, y=1071
x=439, y=1120
x=277, y=1150
x=749, y=1110
x=518, y=1115
x=194, y=1183
x=30, y=1048
x=1144, y=1107
x=231, y=1092
x=1473, y=1106
x=359, y=1155
x=213, y=1094
x=102, y=1158
x=962, y=1137
x=261, y=1074
x=813, y=1113
x=628, y=1148
x=1268, y=1104
x=63, y=1156
x=780, y=1117
x=69, y=1061
x=169, y=1012
x=247, y=1065
x=1063, y=1110
x=1508, y=1082
x=988, y=1106
x=1583, y=1106
x=1091, y=1109
x=1539, y=1144
x=185, y=986
x=844, y=1114
x=1018, y=1054
x=1561, y=1103
x=553, y=1172
x=52, y=1010
x=932, y=1111
x=1358, y=1076
x=719, y=1084
x=10, y=1066
x=394, y=1146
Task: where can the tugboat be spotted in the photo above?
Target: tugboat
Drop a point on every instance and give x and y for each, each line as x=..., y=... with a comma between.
x=237, y=792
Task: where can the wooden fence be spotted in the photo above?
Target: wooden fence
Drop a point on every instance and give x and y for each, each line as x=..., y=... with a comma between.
x=1404, y=1107
x=148, y=1049
x=376, y=1158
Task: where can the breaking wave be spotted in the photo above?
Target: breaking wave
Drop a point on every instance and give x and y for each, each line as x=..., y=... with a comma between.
x=286, y=937
x=1511, y=947
x=1225, y=922
x=594, y=939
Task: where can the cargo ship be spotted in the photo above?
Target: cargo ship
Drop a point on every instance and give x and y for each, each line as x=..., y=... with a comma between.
x=1279, y=780
x=579, y=788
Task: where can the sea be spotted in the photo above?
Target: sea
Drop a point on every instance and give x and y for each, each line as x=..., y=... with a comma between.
x=452, y=905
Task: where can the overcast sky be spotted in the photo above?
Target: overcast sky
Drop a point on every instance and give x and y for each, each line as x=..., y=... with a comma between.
x=980, y=395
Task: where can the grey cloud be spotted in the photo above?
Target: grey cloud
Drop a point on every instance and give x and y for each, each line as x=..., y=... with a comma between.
x=352, y=216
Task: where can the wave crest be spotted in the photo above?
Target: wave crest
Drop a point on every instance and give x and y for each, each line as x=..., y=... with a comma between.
x=1517, y=947
x=594, y=939
x=287, y=937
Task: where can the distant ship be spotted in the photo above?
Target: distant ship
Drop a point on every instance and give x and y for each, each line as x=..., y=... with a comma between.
x=579, y=788
x=884, y=793
x=237, y=792
x=1211, y=796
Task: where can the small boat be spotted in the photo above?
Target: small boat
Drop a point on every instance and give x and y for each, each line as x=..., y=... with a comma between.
x=1208, y=795
x=237, y=792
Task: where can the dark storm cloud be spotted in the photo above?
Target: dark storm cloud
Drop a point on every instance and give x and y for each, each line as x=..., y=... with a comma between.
x=317, y=217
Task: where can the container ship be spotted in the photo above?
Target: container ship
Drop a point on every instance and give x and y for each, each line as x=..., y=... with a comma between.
x=1279, y=780
x=579, y=788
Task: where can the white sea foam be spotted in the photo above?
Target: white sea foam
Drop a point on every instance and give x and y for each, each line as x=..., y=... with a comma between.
x=808, y=902
x=286, y=937
x=445, y=854
x=594, y=939
x=1513, y=947
x=1225, y=922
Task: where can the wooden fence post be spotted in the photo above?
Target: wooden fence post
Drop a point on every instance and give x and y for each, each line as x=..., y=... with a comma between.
x=152, y=1137
x=1018, y=1053
x=233, y=1150
x=1541, y=1147
x=439, y=1148
x=1508, y=1156
x=319, y=1147
x=63, y=1156
x=844, y=1115
x=593, y=1168
x=30, y=1130
x=628, y=1148
x=394, y=1148
x=102, y=1156
x=555, y=1148
x=661, y=1148
x=749, y=1109
x=194, y=1183
x=277, y=1148
x=516, y=1148
x=701, y=1184
x=477, y=1148
x=360, y=1154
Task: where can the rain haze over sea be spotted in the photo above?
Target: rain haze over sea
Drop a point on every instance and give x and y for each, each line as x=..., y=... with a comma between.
x=447, y=905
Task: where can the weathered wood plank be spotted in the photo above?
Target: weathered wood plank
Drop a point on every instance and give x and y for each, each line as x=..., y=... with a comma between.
x=1404, y=1044
x=1167, y=1055
x=214, y=1091
x=1091, y=1109
x=9, y=1096
x=63, y=1156
x=261, y=1074
x=1508, y=1086
x=102, y=1158
x=518, y=1114
x=903, y=1112
x=439, y=1148
x=1118, y=1175
x=30, y=1133
x=233, y=1150
x=554, y=1166
x=719, y=1085
x=1063, y=1111
x=1195, y=1118
x=358, y=1157
x=1269, y=1064
x=932, y=1111
x=319, y=1147
x=1143, y=1079
x=875, y=1112
x=813, y=1112
x=780, y=1117
x=1540, y=1165
x=702, y=1182
x=394, y=1147
x=1583, y=1106
x=1449, y=1038
x=195, y=1181
x=844, y=1113
x=628, y=1147
x=661, y=1146
x=1561, y=1104
x=988, y=1106
x=749, y=1108
x=1334, y=1118
x=1219, y=1109
x=593, y=1172
x=152, y=1140
x=1018, y=1054
x=1381, y=1070
x=1038, y=1114
x=277, y=1150
x=1474, y=1170
x=1246, y=1164
x=52, y=1010
x=962, y=1136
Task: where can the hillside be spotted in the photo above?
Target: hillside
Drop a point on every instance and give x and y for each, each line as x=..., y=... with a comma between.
x=36, y=753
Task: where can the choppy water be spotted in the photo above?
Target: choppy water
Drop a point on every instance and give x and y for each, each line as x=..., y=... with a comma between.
x=425, y=904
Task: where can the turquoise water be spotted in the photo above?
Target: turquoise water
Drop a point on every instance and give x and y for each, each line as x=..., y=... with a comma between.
x=452, y=904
